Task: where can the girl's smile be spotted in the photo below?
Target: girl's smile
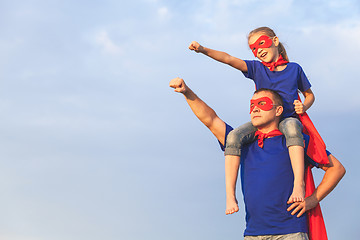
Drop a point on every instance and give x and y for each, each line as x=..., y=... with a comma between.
x=263, y=55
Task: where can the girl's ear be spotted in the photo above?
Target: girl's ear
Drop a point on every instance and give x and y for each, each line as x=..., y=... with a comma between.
x=276, y=41
x=279, y=110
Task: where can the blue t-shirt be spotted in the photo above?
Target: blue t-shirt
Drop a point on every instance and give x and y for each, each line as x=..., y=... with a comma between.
x=286, y=82
x=267, y=182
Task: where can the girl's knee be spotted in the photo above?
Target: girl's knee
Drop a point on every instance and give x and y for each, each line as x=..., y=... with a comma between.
x=291, y=128
x=233, y=139
x=240, y=135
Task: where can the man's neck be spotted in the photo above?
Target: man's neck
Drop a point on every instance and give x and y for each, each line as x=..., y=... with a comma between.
x=267, y=129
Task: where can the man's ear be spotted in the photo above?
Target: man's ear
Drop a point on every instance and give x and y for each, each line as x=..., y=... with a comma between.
x=279, y=110
x=276, y=41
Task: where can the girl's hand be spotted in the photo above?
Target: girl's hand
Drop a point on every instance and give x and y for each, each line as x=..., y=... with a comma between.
x=195, y=46
x=299, y=107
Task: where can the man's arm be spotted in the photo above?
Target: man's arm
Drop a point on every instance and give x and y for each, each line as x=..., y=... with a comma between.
x=202, y=111
x=218, y=127
x=334, y=171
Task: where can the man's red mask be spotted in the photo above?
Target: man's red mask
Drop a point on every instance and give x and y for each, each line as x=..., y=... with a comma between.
x=264, y=103
x=262, y=42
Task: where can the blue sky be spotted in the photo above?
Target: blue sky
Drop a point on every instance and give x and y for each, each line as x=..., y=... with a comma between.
x=95, y=145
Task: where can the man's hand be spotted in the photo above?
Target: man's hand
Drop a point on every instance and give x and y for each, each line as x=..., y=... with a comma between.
x=334, y=171
x=179, y=85
x=299, y=107
x=302, y=207
x=195, y=46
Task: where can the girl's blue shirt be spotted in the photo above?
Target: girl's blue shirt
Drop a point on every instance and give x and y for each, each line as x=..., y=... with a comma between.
x=286, y=82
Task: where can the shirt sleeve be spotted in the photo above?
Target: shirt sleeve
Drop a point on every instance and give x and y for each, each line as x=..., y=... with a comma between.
x=303, y=81
x=251, y=69
x=227, y=130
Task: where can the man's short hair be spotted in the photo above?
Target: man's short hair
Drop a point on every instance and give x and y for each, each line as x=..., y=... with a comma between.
x=276, y=96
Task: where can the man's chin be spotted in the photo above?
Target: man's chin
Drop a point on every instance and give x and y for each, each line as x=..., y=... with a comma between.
x=256, y=123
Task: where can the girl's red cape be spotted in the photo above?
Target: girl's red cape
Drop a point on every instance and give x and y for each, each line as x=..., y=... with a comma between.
x=317, y=152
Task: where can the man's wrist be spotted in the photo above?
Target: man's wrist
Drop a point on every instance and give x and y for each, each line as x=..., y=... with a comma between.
x=188, y=93
x=312, y=200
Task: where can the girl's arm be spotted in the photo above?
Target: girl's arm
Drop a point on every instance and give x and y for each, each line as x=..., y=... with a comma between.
x=300, y=108
x=309, y=99
x=219, y=56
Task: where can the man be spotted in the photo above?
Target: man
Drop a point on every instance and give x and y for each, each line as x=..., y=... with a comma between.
x=266, y=173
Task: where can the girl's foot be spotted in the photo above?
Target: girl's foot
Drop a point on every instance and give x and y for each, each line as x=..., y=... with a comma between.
x=231, y=206
x=298, y=194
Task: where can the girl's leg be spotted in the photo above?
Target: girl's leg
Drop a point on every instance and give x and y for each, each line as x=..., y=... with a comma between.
x=235, y=139
x=297, y=162
x=232, y=164
x=292, y=129
x=238, y=137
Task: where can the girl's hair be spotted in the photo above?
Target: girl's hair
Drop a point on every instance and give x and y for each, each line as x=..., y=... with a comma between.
x=270, y=33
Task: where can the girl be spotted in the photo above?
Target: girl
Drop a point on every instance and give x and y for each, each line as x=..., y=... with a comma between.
x=277, y=73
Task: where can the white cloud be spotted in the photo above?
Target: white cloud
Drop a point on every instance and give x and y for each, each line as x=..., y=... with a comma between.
x=103, y=39
x=163, y=13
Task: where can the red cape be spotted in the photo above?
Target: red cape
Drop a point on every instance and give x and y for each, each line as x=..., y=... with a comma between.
x=317, y=152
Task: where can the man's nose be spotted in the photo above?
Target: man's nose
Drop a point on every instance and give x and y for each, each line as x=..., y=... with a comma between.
x=256, y=109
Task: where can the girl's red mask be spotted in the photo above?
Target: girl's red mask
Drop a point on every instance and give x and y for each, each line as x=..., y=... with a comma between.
x=262, y=42
x=264, y=103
